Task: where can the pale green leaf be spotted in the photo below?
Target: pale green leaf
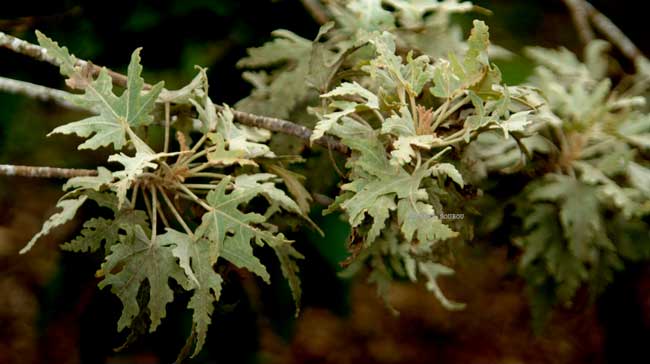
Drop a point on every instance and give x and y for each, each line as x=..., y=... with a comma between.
x=68, y=210
x=265, y=184
x=220, y=155
x=116, y=115
x=353, y=88
x=448, y=170
x=231, y=231
x=432, y=271
x=67, y=62
x=445, y=82
x=132, y=261
x=287, y=256
x=98, y=230
x=419, y=220
x=380, y=212
x=194, y=258
x=103, y=178
x=404, y=151
x=133, y=168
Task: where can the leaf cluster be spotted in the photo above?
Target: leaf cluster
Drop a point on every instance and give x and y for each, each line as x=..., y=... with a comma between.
x=174, y=216
x=427, y=120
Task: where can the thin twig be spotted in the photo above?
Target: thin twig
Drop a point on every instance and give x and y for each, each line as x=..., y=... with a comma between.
x=162, y=215
x=207, y=175
x=154, y=213
x=167, y=122
x=175, y=212
x=285, y=127
x=316, y=10
x=147, y=204
x=44, y=172
x=580, y=19
x=38, y=92
x=333, y=161
x=40, y=54
x=204, y=186
x=322, y=199
x=264, y=122
x=134, y=195
x=613, y=33
x=194, y=197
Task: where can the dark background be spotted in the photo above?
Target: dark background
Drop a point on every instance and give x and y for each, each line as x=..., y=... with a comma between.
x=51, y=310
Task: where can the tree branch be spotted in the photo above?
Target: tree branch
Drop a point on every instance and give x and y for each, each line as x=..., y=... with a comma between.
x=579, y=14
x=285, y=127
x=44, y=172
x=40, y=54
x=41, y=92
x=612, y=32
x=316, y=10
x=38, y=92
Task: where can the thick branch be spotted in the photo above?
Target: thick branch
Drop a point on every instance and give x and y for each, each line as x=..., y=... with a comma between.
x=40, y=53
x=38, y=92
x=44, y=172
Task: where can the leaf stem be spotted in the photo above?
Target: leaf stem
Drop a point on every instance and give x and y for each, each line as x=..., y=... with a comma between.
x=175, y=212
x=167, y=126
x=162, y=216
x=207, y=175
x=200, y=167
x=200, y=154
x=361, y=120
x=201, y=186
x=194, y=197
x=443, y=108
x=200, y=142
x=414, y=111
x=134, y=195
x=453, y=109
x=379, y=116
x=147, y=204
x=154, y=217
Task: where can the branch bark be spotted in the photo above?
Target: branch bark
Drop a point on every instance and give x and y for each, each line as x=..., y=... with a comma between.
x=285, y=127
x=316, y=10
x=38, y=92
x=578, y=11
x=583, y=12
x=613, y=33
x=44, y=172
x=39, y=53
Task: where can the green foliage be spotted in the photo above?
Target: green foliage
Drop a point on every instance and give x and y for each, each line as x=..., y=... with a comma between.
x=69, y=209
x=399, y=132
x=147, y=190
x=591, y=158
x=116, y=115
x=136, y=259
x=426, y=119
